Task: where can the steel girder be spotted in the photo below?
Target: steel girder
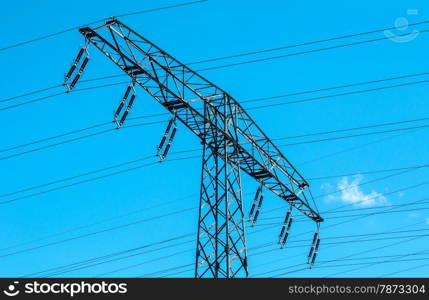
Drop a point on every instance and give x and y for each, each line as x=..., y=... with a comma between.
x=231, y=139
x=221, y=241
x=183, y=92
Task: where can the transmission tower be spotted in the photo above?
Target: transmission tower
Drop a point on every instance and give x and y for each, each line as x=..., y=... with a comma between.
x=232, y=142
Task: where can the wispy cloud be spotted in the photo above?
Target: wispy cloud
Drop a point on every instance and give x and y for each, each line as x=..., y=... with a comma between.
x=427, y=221
x=352, y=193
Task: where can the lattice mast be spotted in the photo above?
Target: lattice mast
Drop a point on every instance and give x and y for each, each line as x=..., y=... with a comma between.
x=232, y=142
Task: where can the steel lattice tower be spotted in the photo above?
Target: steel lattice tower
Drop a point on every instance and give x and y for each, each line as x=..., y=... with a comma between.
x=232, y=142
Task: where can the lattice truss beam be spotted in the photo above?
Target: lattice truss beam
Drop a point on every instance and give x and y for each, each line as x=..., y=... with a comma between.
x=232, y=142
x=221, y=245
x=183, y=92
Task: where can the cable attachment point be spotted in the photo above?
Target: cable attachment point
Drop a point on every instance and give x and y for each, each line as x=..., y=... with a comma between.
x=78, y=67
x=168, y=134
x=256, y=207
x=129, y=91
x=314, y=248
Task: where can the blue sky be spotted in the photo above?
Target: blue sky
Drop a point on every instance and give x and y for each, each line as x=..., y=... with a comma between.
x=214, y=29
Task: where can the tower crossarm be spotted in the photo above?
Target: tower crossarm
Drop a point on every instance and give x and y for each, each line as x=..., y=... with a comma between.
x=183, y=93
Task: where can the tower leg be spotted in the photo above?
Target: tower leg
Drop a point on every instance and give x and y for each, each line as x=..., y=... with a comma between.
x=221, y=242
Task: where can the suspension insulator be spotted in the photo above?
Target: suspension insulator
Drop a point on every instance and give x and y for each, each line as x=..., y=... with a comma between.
x=170, y=141
x=310, y=254
x=76, y=78
x=82, y=67
x=283, y=241
x=70, y=72
x=258, y=210
x=73, y=69
x=79, y=55
x=285, y=225
x=124, y=116
x=255, y=202
x=164, y=137
x=118, y=111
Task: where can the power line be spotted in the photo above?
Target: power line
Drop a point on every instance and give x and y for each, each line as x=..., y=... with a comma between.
x=368, y=172
x=164, y=270
x=138, y=160
x=359, y=268
x=339, y=95
x=350, y=216
x=354, y=254
x=281, y=138
x=353, y=128
x=140, y=221
x=352, y=220
x=44, y=37
x=352, y=259
x=359, y=185
x=303, y=44
x=404, y=270
x=212, y=68
x=93, y=263
x=85, y=264
x=54, y=137
x=309, y=51
x=90, y=180
x=74, y=139
x=193, y=150
x=93, y=224
x=240, y=54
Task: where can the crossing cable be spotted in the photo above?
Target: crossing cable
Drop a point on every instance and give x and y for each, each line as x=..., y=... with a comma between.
x=86, y=263
x=195, y=150
x=359, y=185
x=75, y=139
x=230, y=56
x=140, y=221
x=360, y=209
x=311, y=51
x=252, y=53
x=212, y=68
x=90, y=263
x=365, y=266
x=352, y=259
x=42, y=140
x=367, y=172
x=142, y=166
x=92, y=179
x=190, y=250
x=405, y=270
x=164, y=270
x=78, y=228
x=112, y=254
x=351, y=255
x=96, y=261
x=332, y=246
x=350, y=216
x=44, y=37
x=352, y=220
x=397, y=256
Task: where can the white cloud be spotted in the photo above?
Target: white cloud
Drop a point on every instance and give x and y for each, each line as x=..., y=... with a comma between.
x=351, y=192
x=427, y=221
